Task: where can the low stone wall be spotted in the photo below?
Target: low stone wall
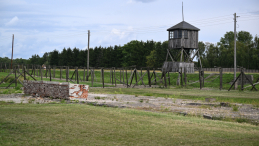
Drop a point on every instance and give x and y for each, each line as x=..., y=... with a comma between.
x=63, y=90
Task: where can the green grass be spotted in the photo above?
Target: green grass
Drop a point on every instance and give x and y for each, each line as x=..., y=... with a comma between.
x=74, y=124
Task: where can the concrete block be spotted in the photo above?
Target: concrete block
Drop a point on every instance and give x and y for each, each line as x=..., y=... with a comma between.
x=78, y=91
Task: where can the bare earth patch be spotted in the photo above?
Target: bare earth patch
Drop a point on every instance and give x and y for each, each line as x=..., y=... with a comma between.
x=208, y=110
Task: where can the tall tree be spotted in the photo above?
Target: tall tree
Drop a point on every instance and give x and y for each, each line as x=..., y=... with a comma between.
x=54, y=59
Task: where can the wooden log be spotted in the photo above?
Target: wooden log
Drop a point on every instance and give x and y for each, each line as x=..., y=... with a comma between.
x=140, y=79
x=12, y=82
x=132, y=76
x=73, y=74
x=6, y=77
x=29, y=75
x=234, y=82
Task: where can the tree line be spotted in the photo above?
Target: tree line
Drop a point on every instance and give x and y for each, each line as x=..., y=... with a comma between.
x=153, y=54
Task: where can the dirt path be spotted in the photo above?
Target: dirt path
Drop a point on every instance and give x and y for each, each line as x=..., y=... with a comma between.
x=181, y=106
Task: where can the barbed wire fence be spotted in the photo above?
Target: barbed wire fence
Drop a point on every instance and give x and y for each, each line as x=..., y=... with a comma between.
x=133, y=76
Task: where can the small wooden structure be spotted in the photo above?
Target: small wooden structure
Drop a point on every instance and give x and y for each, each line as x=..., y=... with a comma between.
x=183, y=39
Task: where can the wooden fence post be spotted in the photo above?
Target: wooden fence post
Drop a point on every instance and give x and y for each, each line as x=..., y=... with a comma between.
x=112, y=75
x=181, y=76
x=102, y=76
x=115, y=76
x=34, y=70
x=185, y=78
x=15, y=77
x=92, y=77
x=165, y=79
x=24, y=75
x=127, y=77
x=169, y=78
x=200, y=78
x=84, y=75
x=148, y=74
x=154, y=73
x=136, y=77
x=120, y=74
x=77, y=75
x=242, y=79
x=49, y=73
x=220, y=78
x=123, y=74
x=40, y=73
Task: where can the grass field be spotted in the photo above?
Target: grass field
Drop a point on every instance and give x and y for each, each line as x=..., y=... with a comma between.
x=80, y=124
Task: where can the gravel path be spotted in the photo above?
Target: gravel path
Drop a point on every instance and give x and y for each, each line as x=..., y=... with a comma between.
x=181, y=106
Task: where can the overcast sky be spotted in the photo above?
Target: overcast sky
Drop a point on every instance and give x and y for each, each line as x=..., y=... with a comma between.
x=44, y=25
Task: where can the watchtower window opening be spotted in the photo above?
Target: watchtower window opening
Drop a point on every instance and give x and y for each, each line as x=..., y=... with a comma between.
x=171, y=35
x=177, y=34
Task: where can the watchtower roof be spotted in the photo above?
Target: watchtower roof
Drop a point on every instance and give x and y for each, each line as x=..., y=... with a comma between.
x=183, y=25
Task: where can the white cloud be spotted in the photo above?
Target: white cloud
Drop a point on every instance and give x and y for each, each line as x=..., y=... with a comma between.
x=13, y=21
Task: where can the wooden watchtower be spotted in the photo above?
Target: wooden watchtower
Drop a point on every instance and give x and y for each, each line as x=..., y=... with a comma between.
x=183, y=41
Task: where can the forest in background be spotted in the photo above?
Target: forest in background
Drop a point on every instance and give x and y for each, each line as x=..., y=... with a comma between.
x=153, y=54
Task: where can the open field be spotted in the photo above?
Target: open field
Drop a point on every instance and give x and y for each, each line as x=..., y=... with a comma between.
x=80, y=124
x=84, y=124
